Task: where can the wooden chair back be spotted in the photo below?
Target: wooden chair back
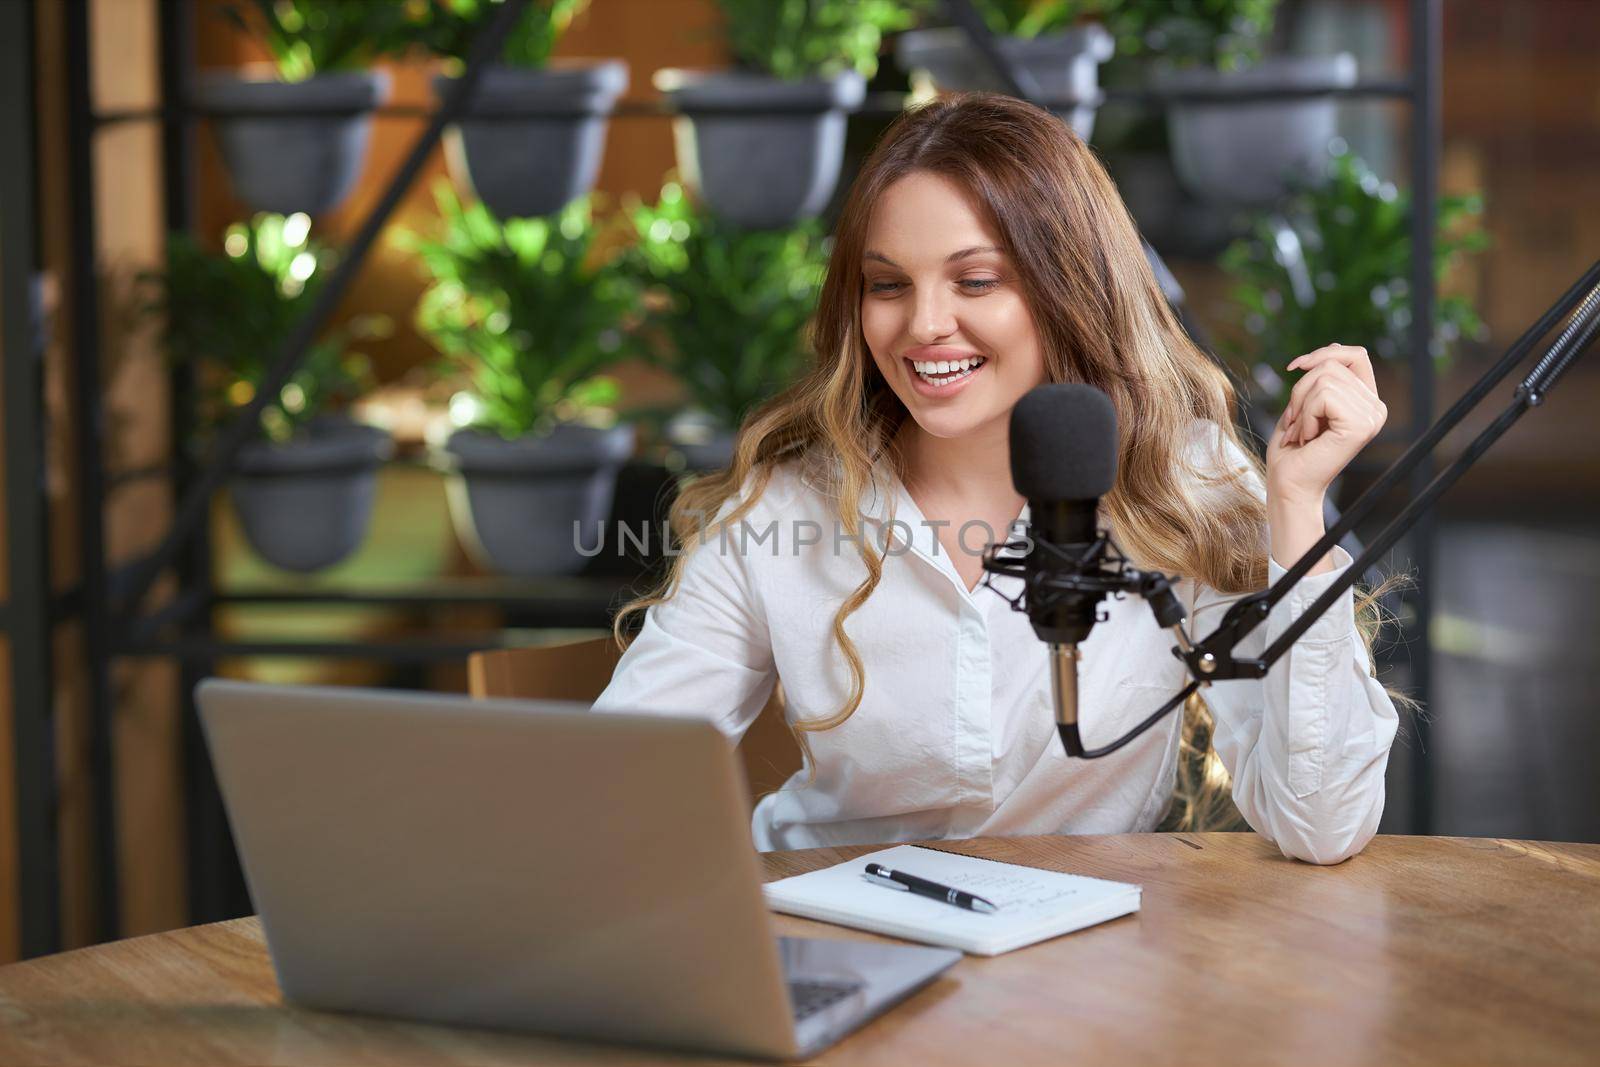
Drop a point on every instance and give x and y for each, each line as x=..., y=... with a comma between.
x=579, y=670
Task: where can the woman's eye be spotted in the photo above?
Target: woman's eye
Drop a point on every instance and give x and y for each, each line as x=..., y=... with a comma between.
x=974, y=285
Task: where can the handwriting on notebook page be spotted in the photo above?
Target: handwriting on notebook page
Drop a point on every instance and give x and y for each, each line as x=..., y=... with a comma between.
x=1011, y=892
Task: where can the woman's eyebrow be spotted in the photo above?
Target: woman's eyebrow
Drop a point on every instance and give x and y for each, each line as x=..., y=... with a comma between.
x=951, y=258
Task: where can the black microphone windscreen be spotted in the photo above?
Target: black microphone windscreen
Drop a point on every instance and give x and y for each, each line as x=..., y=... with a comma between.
x=1064, y=443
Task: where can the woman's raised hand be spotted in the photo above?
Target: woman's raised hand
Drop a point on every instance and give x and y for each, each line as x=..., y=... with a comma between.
x=1333, y=412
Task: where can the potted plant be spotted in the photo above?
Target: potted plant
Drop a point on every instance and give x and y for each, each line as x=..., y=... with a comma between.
x=1243, y=154
x=1131, y=136
x=522, y=313
x=762, y=144
x=304, y=489
x=537, y=127
x=1050, y=40
x=295, y=144
x=1334, y=265
x=725, y=311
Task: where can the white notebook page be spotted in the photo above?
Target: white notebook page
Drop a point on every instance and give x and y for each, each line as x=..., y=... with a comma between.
x=1034, y=904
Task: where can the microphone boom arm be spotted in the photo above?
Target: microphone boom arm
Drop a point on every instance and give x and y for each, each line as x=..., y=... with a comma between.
x=1212, y=659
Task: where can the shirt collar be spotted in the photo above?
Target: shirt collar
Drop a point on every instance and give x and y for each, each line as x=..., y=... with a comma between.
x=885, y=500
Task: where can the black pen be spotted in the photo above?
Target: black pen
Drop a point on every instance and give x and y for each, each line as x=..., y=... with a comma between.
x=879, y=875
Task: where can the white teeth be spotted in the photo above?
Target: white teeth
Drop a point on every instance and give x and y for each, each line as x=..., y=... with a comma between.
x=946, y=372
x=946, y=366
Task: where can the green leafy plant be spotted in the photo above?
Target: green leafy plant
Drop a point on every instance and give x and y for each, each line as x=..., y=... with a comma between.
x=1030, y=18
x=1226, y=34
x=517, y=309
x=1333, y=266
x=308, y=37
x=725, y=308
x=227, y=315
x=794, y=39
x=448, y=27
x=1223, y=33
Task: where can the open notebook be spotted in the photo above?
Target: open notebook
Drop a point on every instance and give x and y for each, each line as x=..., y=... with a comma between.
x=1034, y=904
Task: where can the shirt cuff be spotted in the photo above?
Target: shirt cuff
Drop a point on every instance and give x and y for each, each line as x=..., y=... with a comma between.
x=1339, y=620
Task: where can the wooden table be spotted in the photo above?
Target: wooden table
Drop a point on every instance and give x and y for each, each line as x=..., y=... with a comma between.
x=1419, y=950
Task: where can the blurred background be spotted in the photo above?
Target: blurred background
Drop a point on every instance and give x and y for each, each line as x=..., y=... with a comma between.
x=605, y=261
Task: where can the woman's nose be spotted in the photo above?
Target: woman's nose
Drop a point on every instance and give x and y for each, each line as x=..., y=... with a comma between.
x=932, y=316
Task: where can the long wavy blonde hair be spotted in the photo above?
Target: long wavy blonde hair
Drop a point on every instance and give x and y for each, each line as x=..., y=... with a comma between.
x=1101, y=319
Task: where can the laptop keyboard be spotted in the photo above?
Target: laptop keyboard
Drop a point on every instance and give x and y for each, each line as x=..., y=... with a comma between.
x=809, y=998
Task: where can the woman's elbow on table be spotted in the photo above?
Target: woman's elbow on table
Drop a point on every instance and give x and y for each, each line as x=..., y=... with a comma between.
x=1327, y=849
x=1326, y=826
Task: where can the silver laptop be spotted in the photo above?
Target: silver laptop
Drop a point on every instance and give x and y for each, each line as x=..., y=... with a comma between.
x=525, y=865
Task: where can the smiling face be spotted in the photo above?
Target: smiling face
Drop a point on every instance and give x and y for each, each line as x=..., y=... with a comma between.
x=942, y=310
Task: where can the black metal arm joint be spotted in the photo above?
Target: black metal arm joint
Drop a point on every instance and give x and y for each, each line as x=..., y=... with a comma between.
x=1212, y=660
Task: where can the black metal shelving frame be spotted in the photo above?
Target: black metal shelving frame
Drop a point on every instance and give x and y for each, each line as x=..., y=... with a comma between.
x=108, y=601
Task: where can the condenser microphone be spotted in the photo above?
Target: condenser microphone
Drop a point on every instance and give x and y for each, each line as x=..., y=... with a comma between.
x=1063, y=460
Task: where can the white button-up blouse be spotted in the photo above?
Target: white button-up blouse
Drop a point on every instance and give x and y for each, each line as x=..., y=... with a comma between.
x=955, y=734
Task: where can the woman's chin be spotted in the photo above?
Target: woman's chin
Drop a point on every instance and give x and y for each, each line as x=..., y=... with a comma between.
x=949, y=422
x=955, y=410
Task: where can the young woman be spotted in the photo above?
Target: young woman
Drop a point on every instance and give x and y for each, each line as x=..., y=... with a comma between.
x=983, y=251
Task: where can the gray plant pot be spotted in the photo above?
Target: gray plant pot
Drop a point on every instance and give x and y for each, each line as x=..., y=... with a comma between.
x=287, y=163
x=524, y=165
x=306, y=504
x=1249, y=154
x=763, y=153
x=1066, y=66
x=525, y=506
